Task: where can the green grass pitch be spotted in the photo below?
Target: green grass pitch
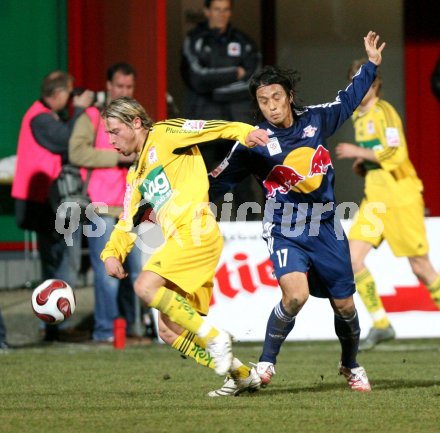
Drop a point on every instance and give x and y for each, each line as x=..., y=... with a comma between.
x=81, y=388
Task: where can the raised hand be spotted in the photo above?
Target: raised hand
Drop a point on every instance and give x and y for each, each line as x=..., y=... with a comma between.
x=374, y=53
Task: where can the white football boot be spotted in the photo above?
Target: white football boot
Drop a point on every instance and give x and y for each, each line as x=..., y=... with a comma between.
x=357, y=378
x=265, y=370
x=234, y=387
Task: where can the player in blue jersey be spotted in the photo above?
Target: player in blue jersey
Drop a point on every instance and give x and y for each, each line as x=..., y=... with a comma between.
x=307, y=244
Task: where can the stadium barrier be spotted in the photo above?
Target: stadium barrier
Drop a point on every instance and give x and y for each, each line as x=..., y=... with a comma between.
x=245, y=291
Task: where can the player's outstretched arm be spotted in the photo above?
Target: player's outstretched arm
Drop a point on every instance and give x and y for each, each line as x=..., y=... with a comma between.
x=373, y=52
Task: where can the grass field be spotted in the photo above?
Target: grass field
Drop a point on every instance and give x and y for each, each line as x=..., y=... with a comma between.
x=82, y=388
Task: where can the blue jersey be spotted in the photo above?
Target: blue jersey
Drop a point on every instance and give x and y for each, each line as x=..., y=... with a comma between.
x=297, y=175
x=295, y=169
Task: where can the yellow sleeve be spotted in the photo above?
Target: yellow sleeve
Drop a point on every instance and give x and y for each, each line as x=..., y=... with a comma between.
x=122, y=239
x=119, y=245
x=179, y=133
x=394, y=151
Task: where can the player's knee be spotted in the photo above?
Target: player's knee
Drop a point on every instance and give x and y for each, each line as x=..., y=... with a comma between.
x=142, y=289
x=344, y=307
x=293, y=302
x=346, y=311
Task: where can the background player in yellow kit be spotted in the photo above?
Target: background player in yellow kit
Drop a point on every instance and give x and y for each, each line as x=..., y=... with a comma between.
x=381, y=155
x=170, y=177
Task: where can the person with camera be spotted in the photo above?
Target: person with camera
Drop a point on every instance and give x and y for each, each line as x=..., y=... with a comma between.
x=42, y=149
x=90, y=148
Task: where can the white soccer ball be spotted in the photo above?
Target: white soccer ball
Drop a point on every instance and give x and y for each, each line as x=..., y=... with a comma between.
x=53, y=301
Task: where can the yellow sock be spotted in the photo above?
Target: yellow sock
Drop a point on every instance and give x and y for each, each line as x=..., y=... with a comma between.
x=434, y=289
x=194, y=347
x=366, y=288
x=190, y=345
x=177, y=308
x=239, y=370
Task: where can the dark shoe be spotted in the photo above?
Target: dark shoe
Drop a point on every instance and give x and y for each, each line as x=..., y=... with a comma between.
x=73, y=335
x=4, y=347
x=51, y=333
x=137, y=340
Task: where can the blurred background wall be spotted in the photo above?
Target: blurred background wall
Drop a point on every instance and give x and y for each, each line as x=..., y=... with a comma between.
x=318, y=37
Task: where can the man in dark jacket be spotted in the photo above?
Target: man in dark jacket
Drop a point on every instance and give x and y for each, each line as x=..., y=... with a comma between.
x=217, y=62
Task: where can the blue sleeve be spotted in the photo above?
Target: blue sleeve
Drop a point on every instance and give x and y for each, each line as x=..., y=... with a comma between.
x=334, y=114
x=230, y=172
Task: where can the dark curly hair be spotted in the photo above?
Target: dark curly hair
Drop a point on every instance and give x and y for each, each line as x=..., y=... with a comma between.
x=268, y=75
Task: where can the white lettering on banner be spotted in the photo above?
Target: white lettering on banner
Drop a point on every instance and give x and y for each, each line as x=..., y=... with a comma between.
x=245, y=291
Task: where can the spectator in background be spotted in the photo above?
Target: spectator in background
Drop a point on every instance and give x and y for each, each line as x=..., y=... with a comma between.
x=381, y=156
x=89, y=147
x=42, y=148
x=3, y=344
x=435, y=80
x=217, y=62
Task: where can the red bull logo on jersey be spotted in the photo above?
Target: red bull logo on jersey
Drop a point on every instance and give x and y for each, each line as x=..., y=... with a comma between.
x=321, y=161
x=302, y=171
x=281, y=178
x=309, y=131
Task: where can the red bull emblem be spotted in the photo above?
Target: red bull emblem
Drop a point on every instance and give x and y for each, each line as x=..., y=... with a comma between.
x=281, y=178
x=310, y=167
x=309, y=131
x=321, y=161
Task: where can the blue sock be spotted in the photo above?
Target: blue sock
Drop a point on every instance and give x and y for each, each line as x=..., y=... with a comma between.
x=279, y=325
x=348, y=331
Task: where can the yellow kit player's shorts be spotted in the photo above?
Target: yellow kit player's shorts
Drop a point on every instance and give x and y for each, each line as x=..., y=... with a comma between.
x=189, y=259
x=403, y=227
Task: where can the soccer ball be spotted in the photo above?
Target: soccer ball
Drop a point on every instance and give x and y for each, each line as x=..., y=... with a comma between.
x=53, y=301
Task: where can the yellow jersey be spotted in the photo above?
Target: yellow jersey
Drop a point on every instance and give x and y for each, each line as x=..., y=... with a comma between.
x=170, y=177
x=393, y=180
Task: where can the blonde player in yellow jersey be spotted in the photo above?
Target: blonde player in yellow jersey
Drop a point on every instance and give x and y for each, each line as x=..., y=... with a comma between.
x=170, y=177
x=393, y=196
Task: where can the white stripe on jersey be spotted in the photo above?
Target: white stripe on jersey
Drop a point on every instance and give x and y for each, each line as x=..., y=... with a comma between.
x=267, y=234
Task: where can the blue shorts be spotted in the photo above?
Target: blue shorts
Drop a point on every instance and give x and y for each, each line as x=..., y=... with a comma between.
x=325, y=259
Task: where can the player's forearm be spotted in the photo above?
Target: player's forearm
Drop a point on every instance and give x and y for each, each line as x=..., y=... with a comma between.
x=119, y=245
x=367, y=154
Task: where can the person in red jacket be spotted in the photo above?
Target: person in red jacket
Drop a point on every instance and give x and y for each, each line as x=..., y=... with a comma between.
x=89, y=147
x=42, y=149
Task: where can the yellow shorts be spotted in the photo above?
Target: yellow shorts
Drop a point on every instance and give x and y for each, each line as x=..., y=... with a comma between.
x=403, y=227
x=189, y=262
